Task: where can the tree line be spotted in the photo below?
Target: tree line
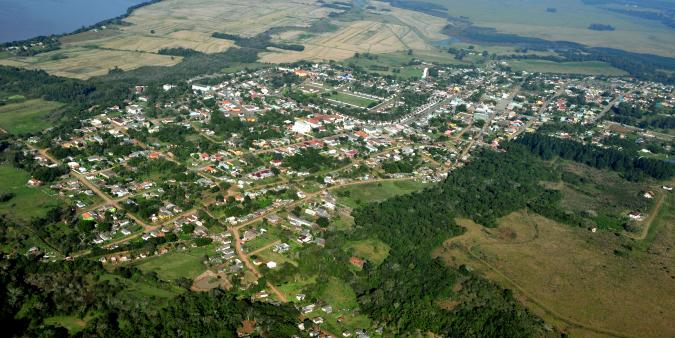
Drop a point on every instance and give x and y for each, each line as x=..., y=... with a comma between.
x=631, y=166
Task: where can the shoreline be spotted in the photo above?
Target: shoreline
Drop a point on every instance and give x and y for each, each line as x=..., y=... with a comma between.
x=114, y=20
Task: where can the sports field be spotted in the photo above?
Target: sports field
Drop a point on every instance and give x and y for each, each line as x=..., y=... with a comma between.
x=352, y=99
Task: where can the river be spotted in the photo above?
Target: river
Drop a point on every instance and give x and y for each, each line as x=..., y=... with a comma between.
x=23, y=19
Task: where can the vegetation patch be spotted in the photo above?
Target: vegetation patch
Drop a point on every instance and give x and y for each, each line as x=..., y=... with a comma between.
x=357, y=195
x=23, y=203
x=373, y=250
x=177, y=264
x=26, y=117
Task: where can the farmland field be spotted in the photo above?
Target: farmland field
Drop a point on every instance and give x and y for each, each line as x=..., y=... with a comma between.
x=83, y=63
x=573, y=277
x=27, y=116
x=27, y=202
x=189, y=24
x=586, y=68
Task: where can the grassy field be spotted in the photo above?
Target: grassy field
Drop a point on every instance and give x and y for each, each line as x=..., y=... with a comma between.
x=586, y=68
x=27, y=116
x=366, y=193
x=373, y=250
x=601, y=196
x=177, y=264
x=399, y=61
x=570, y=23
x=71, y=323
x=27, y=203
x=572, y=277
x=352, y=99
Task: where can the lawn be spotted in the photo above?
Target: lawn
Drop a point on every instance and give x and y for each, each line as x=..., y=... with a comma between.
x=27, y=202
x=352, y=99
x=373, y=250
x=177, y=264
x=356, y=195
x=585, y=68
x=27, y=116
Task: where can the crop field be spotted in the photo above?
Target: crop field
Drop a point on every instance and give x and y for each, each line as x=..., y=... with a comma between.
x=573, y=277
x=585, y=68
x=83, y=63
x=27, y=202
x=395, y=30
x=26, y=117
x=355, y=195
x=167, y=24
x=570, y=23
x=357, y=36
x=234, y=17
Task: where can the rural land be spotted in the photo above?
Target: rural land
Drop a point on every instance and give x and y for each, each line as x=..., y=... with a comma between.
x=322, y=168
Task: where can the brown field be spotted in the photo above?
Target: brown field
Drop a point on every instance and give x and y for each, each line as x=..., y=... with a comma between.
x=357, y=36
x=210, y=280
x=190, y=23
x=176, y=23
x=572, y=278
x=83, y=63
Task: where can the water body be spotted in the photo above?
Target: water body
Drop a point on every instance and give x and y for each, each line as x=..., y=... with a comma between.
x=23, y=19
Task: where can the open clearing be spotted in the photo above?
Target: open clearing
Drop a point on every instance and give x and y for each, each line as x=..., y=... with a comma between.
x=27, y=202
x=353, y=196
x=571, y=277
x=585, y=68
x=373, y=250
x=177, y=264
x=27, y=116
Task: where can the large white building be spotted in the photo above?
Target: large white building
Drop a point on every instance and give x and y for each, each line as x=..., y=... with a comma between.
x=301, y=127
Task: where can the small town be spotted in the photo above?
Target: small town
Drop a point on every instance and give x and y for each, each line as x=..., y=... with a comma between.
x=247, y=173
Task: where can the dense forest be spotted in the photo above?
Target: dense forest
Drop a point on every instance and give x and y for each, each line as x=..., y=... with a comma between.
x=404, y=290
x=631, y=166
x=31, y=291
